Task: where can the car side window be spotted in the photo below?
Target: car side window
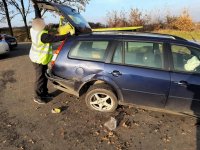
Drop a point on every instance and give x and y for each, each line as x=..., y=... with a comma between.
x=89, y=50
x=186, y=59
x=145, y=54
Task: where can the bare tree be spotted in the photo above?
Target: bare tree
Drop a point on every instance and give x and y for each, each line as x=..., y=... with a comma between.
x=113, y=19
x=20, y=7
x=123, y=21
x=37, y=10
x=5, y=14
x=138, y=18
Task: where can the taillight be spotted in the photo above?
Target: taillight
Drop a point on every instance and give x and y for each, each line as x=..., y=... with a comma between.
x=56, y=53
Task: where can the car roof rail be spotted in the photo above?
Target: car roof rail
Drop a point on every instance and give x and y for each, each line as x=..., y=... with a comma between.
x=150, y=34
x=173, y=36
x=178, y=38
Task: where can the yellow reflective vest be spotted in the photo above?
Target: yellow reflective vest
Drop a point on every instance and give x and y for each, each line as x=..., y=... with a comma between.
x=40, y=52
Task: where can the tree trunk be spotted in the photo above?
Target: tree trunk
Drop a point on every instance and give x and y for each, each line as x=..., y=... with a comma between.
x=26, y=27
x=37, y=10
x=24, y=19
x=8, y=17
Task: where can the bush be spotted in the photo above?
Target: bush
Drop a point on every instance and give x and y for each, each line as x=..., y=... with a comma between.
x=137, y=18
x=115, y=19
x=183, y=22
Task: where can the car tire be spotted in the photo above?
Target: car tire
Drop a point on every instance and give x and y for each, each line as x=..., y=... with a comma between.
x=101, y=98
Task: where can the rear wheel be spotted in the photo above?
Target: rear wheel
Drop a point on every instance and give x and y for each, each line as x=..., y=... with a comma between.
x=101, y=98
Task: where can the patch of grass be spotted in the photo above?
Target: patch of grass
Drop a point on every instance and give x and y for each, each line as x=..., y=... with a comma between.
x=189, y=35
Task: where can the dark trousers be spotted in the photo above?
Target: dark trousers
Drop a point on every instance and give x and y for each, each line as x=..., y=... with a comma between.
x=40, y=86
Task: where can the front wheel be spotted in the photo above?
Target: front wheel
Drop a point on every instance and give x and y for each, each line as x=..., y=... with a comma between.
x=100, y=97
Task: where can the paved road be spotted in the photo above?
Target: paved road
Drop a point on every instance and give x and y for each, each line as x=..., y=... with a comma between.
x=26, y=125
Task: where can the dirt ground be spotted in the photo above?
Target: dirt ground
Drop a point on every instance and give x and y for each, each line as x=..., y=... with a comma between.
x=29, y=126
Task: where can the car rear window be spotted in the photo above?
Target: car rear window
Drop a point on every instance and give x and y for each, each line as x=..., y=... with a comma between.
x=89, y=50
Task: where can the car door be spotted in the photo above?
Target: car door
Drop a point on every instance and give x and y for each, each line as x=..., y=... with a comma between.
x=184, y=93
x=137, y=68
x=75, y=19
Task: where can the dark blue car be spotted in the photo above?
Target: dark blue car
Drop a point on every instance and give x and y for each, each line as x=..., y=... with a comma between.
x=127, y=68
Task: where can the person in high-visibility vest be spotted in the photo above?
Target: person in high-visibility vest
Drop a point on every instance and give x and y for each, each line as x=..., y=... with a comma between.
x=41, y=54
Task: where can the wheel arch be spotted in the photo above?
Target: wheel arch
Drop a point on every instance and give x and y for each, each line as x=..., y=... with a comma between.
x=86, y=85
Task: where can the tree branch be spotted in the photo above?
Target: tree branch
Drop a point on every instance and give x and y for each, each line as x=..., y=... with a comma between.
x=2, y=14
x=14, y=3
x=28, y=10
x=14, y=15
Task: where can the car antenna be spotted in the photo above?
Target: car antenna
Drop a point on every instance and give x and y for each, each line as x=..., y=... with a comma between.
x=193, y=38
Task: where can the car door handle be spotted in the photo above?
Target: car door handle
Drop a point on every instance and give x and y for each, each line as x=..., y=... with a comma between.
x=116, y=73
x=183, y=83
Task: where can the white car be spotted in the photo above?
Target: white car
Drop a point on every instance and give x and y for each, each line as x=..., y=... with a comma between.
x=4, y=47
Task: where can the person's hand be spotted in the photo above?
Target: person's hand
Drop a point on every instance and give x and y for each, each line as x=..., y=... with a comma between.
x=49, y=27
x=72, y=31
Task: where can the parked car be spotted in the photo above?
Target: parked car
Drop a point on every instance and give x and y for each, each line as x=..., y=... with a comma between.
x=126, y=68
x=4, y=48
x=12, y=41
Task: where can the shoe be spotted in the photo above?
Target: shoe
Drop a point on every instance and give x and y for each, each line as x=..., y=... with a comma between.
x=47, y=96
x=38, y=100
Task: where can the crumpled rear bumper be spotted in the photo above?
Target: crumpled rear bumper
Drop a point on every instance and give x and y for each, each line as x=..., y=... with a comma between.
x=62, y=84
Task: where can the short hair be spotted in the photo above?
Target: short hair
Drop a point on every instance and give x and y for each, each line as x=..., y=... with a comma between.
x=38, y=24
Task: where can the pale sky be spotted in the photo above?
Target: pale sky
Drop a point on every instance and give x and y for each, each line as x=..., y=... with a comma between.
x=97, y=10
